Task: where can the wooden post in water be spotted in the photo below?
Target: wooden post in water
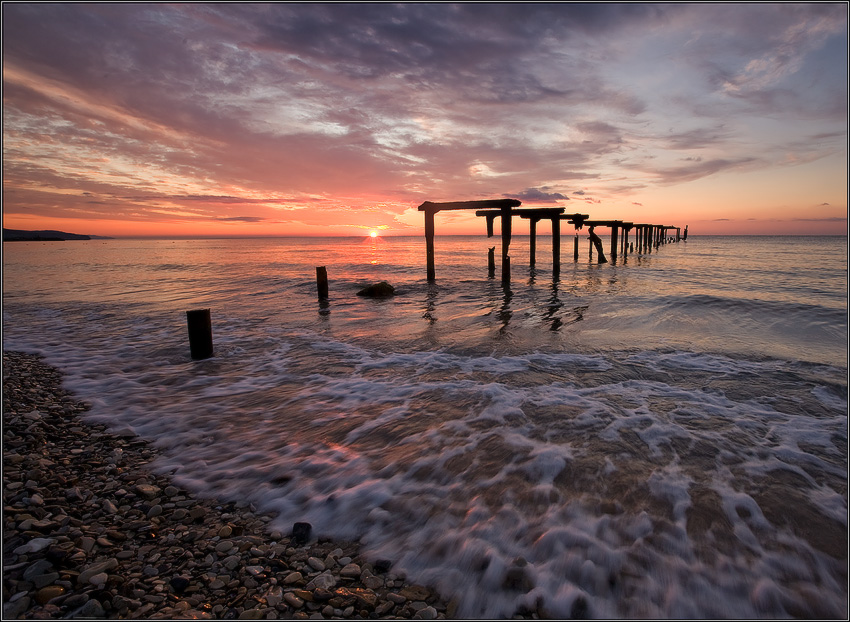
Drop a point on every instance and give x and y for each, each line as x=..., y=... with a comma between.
x=685, y=236
x=322, y=282
x=491, y=261
x=532, y=232
x=597, y=242
x=506, y=244
x=556, y=244
x=429, y=243
x=615, y=226
x=200, y=333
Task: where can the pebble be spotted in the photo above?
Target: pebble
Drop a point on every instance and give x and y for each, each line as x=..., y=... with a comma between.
x=224, y=546
x=350, y=570
x=293, y=577
x=89, y=532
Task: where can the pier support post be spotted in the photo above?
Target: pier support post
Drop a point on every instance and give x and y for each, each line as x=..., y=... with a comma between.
x=491, y=261
x=532, y=232
x=556, y=244
x=200, y=333
x=597, y=242
x=506, y=244
x=575, y=247
x=614, y=230
x=322, y=282
x=429, y=244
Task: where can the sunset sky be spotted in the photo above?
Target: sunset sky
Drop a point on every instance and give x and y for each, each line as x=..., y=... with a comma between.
x=339, y=119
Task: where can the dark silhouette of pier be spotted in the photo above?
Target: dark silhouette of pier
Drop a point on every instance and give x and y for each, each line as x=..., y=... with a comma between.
x=647, y=236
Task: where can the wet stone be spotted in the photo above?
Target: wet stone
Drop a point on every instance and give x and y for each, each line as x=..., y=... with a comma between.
x=48, y=593
x=350, y=570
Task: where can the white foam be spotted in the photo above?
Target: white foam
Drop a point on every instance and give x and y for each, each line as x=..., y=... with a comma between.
x=458, y=466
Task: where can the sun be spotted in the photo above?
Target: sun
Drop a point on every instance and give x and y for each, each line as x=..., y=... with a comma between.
x=373, y=234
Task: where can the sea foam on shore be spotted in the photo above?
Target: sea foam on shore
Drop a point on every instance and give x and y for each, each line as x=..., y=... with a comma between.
x=90, y=532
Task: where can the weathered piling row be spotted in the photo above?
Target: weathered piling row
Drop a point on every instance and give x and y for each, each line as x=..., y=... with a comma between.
x=646, y=235
x=504, y=205
x=533, y=215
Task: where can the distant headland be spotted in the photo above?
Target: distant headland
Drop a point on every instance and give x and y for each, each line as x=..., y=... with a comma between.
x=18, y=235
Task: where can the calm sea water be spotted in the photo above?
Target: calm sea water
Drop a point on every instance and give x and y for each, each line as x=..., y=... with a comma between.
x=660, y=437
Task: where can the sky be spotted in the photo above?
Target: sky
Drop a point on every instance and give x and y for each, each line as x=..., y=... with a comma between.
x=241, y=119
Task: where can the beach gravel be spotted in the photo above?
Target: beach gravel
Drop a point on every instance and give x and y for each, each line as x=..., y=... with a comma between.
x=91, y=532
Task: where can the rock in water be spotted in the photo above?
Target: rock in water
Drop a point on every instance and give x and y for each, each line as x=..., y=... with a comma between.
x=378, y=290
x=301, y=532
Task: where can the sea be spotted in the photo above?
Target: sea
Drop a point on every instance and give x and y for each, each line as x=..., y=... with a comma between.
x=660, y=436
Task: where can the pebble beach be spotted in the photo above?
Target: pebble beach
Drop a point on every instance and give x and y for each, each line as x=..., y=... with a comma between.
x=89, y=531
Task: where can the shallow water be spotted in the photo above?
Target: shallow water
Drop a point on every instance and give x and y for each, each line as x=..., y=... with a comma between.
x=664, y=436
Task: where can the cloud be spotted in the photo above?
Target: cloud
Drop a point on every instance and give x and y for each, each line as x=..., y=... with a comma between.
x=699, y=169
x=830, y=219
x=241, y=219
x=202, y=108
x=538, y=195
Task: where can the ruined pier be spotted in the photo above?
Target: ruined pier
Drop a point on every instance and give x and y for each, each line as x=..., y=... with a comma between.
x=647, y=236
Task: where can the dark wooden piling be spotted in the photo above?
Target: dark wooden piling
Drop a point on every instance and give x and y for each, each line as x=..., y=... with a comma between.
x=556, y=245
x=577, y=220
x=429, y=243
x=506, y=244
x=491, y=261
x=322, y=282
x=490, y=219
x=200, y=333
x=615, y=228
x=532, y=242
x=597, y=242
x=627, y=227
x=506, y=270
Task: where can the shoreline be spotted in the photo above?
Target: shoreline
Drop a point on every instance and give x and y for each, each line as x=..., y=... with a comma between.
x=90, y=532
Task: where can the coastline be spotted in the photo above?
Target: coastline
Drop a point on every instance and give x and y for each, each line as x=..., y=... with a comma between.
x=90, y=532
